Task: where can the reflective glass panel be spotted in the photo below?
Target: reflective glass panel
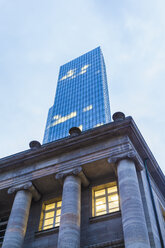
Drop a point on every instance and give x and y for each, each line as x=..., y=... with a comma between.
x=81, y=98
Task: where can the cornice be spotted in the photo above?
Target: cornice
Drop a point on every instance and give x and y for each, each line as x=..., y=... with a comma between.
x=107, y=131
x=69, y=143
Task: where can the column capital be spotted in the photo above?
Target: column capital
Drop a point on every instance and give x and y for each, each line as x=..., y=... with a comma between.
x=26, y=186
x=131, y=155
x=73, y=172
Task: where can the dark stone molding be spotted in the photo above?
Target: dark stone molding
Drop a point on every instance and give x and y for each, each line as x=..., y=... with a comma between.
x=25, y=186
x=67, y=144
x=127, y=127
x=54, y=168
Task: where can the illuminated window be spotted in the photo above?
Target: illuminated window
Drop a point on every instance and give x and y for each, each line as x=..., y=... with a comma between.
x=99, y=124
x=64, y=118
x=84, y=69
x=87, y=108
x=50, y=216
x=105, y=199
x=3, y=226
x=56, y=117
x=81, y=127
x=68, y=74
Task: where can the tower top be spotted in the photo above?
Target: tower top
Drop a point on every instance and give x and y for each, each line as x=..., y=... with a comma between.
x=81, y=99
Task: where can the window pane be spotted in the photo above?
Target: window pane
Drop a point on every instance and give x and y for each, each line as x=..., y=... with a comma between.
x=58, y=212
x=113, y=210
x=100, y=207
x=48, y=222
x=101, y=213
x=113, y=204
x=112, y=189
x=57, y=224
x=49, y=214
x=49, y=206
x=47, y=227
x=106, y=200
x=58, y=219
x=100, y=201
x=59, y=204
x=99, y=192
x=113, y=197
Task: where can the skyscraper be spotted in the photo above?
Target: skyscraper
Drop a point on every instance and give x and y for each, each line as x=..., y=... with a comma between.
x=81, y=98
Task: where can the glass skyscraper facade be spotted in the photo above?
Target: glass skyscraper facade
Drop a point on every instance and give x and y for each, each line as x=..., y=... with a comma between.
x=81, y=99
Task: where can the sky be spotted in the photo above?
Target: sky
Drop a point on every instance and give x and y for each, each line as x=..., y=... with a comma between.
x=36, y=37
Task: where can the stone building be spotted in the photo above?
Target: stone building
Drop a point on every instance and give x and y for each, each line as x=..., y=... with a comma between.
x=111, y=188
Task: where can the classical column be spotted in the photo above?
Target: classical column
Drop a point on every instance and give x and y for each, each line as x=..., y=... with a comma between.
x=133, y=219
x=18, y=219
x=69, y=232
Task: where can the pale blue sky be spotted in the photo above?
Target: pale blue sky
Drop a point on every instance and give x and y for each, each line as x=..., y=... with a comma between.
x=37, y=36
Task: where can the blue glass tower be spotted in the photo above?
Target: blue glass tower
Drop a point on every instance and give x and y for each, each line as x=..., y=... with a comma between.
x=81, y=99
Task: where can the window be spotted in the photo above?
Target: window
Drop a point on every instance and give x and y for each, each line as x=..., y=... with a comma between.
x=3, y=226
x=87, y=108
x=105, y=199
x=163, y=213
x=50, y=215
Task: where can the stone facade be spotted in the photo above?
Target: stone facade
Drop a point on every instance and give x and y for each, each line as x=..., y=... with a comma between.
x=69, y=169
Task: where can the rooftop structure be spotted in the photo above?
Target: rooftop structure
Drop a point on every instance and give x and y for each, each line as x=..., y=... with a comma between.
x=81, y=98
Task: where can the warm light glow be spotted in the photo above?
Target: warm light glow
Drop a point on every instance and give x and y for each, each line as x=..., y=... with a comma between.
x=99, y=124
x=99, y=192
x=50, y=216
x=100, y=208
x=59, y=203
x=56, y=117
x=113, y=210
x=87, y=108
x=47, y=227
x=114, y=198
x=48, y=222
x=84, y=69
x=68, y=74
x=64, y=118
x=112, y=189
x=80, y=127
x=58, y=219
x=100, y=201
x=49, y=206
x=58, y=212
x=100, y=213
x=105, y=199
x=114, y=204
